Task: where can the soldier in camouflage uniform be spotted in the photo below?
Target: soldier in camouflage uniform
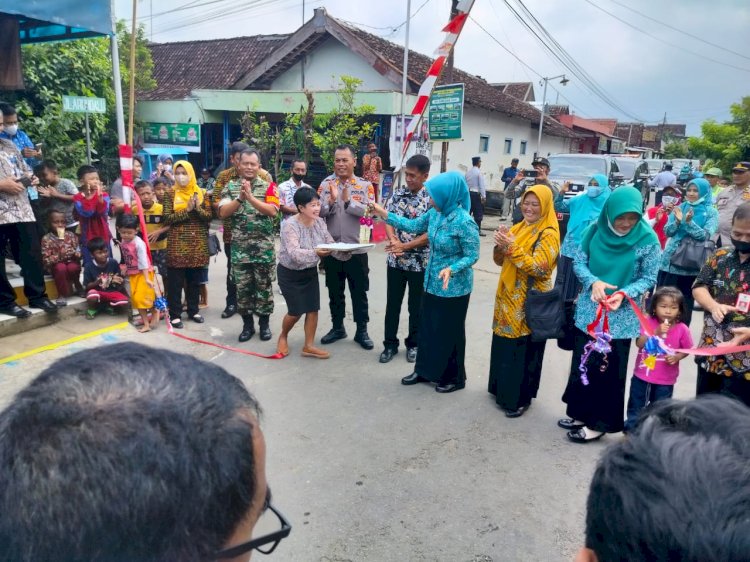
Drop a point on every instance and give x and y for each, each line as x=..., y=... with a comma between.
x=250, y=205
x=224, y=177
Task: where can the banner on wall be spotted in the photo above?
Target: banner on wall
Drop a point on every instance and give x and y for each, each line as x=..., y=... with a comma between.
x=166, y=135
x=420, y=141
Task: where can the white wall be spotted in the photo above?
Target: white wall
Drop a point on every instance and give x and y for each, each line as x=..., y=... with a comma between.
x=478, y=122
x=326, y=64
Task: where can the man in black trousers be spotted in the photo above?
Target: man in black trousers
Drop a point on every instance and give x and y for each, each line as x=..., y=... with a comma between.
x=407, y=258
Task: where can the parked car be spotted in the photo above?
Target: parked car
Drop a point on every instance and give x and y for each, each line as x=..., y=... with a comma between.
x=655, y=165
x=578, y=169
x=633, y=172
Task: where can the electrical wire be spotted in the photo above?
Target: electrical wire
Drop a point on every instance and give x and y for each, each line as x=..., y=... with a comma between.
x=660, y=40
x=551, y=45
x=221, y=13
x=575, y=68
x=391, y=29
x=682, y=31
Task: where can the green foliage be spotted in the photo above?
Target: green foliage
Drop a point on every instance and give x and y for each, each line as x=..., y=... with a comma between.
x=345, y=124
x=304, y=133
x=724, y=144
x=79, y=68
x=676, y=149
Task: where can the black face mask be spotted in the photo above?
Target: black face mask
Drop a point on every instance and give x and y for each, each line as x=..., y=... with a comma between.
x=298, y=177
x=741, y=246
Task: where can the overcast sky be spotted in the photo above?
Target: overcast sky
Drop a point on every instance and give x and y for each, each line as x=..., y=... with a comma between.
x=642, y=75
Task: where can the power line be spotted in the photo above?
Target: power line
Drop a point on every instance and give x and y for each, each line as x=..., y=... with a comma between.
x=392, y=30
x=660, y=40
x=524, y=66
x=218, y=14
x=551, y=45
x=721, y=47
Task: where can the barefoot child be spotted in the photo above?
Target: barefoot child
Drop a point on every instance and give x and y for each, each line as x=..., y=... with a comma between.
x=153, y=213
x=138, y=270
x=665, y=311
x=61, y=256
x=102, y=280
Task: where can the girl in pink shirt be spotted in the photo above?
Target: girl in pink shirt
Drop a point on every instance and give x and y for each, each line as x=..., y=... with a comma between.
x=665, y=312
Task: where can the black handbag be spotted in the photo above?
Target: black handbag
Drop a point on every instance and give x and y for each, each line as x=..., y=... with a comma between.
x=214, y=247
x=545, y=310
x=691, y=254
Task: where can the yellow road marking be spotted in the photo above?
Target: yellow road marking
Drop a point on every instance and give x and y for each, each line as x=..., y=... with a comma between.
x=55, y=345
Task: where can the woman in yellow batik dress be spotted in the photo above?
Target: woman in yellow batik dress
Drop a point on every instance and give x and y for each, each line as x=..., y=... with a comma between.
x=527, y=253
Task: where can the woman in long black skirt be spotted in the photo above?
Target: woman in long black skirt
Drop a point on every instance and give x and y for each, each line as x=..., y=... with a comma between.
x=449, y=279
x=618, y=256
x=527, y=254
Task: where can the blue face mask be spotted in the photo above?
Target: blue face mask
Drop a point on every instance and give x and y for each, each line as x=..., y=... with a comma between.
x=593, y=191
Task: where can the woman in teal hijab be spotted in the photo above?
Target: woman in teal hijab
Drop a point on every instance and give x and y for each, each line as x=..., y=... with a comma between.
x=454, y=248
x=696, y=218
x=584, y=209
x=619, y=253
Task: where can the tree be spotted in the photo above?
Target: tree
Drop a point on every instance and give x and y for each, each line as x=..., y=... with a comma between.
x=676, y=148
x=345, y=124
x=306, y=134
x=725, y=143
x=82, y=68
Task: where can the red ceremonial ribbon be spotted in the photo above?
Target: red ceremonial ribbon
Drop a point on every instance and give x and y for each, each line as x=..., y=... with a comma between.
x=603, y=309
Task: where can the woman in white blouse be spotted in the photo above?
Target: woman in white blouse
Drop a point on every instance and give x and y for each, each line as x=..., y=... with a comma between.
x=297, y=271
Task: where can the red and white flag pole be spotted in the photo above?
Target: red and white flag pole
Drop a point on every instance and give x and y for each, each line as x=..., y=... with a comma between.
x=452, y=32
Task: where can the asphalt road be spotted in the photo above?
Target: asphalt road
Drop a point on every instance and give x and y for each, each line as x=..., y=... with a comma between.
x=369, y=470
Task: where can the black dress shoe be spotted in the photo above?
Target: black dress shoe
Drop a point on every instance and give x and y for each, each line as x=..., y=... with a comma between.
x=44, y=304
x=388, y=354
x=411, y=354
x=445, y=388
x=335, y=334
x=516, y=413
x=246, y=334
x=229, y=311
x=197, y=318
x=414, y=378
x=15, y=310
x=568, y=423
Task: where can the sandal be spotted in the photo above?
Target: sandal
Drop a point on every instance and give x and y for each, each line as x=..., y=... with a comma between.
x=581, y=435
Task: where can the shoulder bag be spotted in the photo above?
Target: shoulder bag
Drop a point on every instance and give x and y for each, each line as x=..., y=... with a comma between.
x=545, y=310
x=214, y=247
x=691, y=254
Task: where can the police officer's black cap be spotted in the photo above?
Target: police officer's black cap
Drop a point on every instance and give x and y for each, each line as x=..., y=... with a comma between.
x=540, y=162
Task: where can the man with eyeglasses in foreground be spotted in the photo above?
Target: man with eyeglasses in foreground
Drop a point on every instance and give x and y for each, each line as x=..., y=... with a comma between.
x=132, y=453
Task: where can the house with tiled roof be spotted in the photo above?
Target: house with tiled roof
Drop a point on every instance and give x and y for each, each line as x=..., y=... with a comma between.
x=214, y=82
x=523, y=91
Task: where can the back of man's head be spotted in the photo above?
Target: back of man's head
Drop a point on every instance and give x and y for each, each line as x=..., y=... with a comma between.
x=678, y=488
x=125, y=453
x=667, y=167
x=238, y=147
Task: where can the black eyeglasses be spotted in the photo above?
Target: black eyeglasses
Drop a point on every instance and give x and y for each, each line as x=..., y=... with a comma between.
x=265, y=544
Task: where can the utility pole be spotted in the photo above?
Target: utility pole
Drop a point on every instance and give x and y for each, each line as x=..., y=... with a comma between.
x=448, y=80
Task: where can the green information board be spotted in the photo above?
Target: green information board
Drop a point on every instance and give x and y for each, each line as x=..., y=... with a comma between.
x=446, y=111
x=176, y=134
x=81, y=104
